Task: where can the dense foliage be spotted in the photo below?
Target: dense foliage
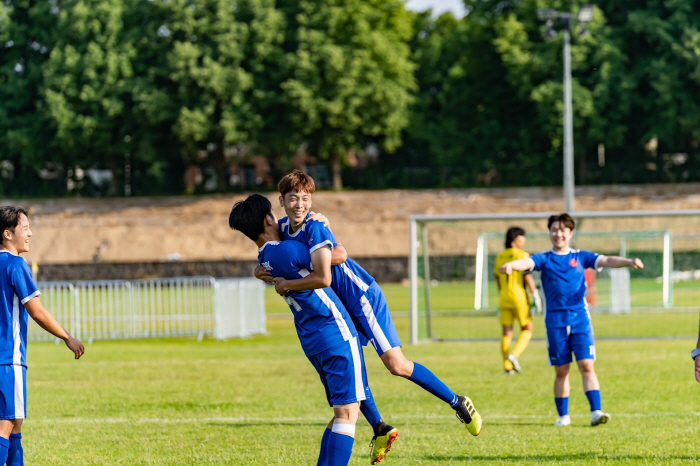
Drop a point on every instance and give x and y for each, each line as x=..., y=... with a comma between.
x=375, y=95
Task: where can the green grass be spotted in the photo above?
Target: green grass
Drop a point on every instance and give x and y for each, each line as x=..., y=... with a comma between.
x=259, y=402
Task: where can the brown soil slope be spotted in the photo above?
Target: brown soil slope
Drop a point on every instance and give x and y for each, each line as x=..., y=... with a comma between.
x=368, y=223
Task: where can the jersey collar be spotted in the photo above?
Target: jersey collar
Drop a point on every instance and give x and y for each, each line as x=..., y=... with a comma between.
x=568, y=251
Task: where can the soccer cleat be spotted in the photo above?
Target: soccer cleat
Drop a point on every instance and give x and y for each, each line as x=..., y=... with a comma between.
x=563, y=421
x=514, y=361
x=599, y=417
x=381, y=444
x=508, y=372
x=468, y=415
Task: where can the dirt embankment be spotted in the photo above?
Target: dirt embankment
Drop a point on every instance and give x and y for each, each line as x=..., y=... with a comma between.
x=368, y=223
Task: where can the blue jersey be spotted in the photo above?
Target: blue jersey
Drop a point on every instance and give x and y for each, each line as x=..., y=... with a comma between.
x=564, y=285
x=349, y=280
x=320, y=318
x=17, y=288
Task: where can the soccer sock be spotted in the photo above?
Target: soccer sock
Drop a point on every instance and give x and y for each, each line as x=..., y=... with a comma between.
x=339, y=449
x=505, y=350
x=4, y=446
x=428, y=381
x=15, y=454
x=521, y=343
x=594, y=399
x=323, y=453
x=369, y=409
x=562, y=405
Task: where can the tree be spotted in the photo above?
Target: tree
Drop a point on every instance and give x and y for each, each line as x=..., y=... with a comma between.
x=350, y=77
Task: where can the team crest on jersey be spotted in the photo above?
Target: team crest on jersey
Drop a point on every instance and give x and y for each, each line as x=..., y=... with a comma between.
x=573, y=262
x=267, y=266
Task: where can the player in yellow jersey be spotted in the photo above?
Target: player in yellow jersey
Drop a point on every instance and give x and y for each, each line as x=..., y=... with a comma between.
x=514, y=303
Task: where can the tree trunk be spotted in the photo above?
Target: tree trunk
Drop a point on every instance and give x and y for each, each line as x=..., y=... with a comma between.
x=219, y=162
x=114, y=168
x=336, y=171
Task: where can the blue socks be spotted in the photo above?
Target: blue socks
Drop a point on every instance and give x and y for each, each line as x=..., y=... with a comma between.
x=323, y=454
x=594, y=399
x=15, y=454
x=428, y=381
x=4, y=446
x=369, y=410
x=339, y=449
x=562, y=406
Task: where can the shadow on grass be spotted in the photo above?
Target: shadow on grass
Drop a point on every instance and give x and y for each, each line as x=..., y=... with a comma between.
x=552, y=458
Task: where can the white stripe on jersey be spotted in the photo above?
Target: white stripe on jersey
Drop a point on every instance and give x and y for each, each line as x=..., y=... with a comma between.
x=357, y=365
x=355, y=279
x=374, y=327
x=19, y=392
x=327, y=242
x=342, y=325
x=33, y=295
x=16, y=353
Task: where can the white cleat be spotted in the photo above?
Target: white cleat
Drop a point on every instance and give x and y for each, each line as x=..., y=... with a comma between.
x=598, y=417
x=514, y=361
x=563, y=421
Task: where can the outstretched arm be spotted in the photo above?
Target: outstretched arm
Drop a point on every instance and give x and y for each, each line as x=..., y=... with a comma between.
x=617, y=262
x=518, y=264
x=319, y=278
x=47, y=321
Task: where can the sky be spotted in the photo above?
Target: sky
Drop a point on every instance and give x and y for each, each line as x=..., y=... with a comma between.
x=438, y=6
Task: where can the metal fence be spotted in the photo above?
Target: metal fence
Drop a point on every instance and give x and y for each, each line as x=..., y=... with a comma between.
x=121, y=309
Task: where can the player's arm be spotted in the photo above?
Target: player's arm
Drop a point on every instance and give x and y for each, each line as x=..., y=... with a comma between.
x=320, y=278
x=261, y=273
x=498, y=282
x=617, y=262
x=697, y=358
x=530, y=283
x=518, y=264
x=319, y=217
x=47, y=321
x=339, y=255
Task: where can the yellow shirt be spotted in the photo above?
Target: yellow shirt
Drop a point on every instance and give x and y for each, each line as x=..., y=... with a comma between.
x=513, y=294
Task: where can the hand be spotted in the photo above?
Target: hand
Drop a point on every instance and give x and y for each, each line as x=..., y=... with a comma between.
x=697, y=368
x=75, y=346
x=537, y=302
x=506, y=268
x=279, y=286
x=319, y=217
x=261, y=273
x=637, y=263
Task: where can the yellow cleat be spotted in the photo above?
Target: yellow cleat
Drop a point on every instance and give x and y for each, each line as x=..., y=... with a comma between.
x=381, y=444
x=467, y=414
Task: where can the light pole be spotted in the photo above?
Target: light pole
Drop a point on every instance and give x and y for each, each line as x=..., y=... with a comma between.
x=566, y=22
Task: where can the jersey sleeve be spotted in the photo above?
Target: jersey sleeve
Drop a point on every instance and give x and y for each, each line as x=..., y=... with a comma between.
x=22, y=282
x=318, y=236
x=540, y=260
x=589, y=259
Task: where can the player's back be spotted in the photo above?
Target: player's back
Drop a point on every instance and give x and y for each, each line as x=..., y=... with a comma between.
x=512, y=286
x=349, y=280
x=15, y=276
x=320, y=318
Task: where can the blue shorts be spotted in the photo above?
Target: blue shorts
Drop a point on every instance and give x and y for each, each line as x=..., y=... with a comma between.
x=373, y=321
x=13, y=392
x=342, y=372
x=562, y=341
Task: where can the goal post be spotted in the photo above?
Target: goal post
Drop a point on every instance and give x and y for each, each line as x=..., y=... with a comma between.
x=451, y=276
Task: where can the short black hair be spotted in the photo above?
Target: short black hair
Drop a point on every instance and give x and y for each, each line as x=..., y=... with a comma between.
x=248, y=216
x=9, y=219
x=512, y=233
x=563, y=219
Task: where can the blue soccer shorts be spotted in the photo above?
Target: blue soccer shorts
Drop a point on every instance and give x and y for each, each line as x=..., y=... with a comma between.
x=373, y=320
x=13, y=392
x=342, y=372
x=562, y=341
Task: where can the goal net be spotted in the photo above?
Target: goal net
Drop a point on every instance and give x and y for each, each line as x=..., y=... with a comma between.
x=454, y=295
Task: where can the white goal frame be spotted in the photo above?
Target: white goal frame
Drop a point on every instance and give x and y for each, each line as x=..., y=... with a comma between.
x=415, y=220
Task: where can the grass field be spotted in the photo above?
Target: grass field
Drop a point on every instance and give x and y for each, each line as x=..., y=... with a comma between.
x=259, y=402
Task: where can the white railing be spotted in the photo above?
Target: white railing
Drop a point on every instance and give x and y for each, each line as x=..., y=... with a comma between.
x=168, y=307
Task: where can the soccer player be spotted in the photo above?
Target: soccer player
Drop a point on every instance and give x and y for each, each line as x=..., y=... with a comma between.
x=327, y=335
x=513, y=303
x=567, y=320
x=20, y=297
x=362, y=297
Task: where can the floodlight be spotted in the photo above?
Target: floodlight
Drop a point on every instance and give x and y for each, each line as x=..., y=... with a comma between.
x=585, y=13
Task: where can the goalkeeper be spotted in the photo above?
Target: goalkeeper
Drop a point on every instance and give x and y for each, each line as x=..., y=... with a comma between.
x=514, y=303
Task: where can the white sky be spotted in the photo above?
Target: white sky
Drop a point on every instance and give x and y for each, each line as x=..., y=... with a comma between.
x=438, y=6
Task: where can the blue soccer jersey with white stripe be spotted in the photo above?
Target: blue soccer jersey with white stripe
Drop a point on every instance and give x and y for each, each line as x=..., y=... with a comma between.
x=320, y=318
x=350, y=280
x=17, y=288
x=564, y=285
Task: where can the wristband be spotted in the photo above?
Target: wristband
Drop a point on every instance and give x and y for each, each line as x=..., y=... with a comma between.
x=695, y=353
